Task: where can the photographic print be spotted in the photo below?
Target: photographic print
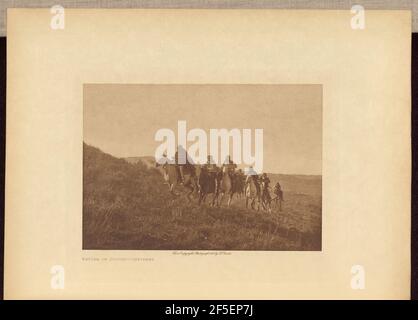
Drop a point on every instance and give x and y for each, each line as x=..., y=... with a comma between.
x=202, y=167
x=208, y=154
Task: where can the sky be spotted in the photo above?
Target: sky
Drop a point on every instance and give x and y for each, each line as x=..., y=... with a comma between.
x=122, y=119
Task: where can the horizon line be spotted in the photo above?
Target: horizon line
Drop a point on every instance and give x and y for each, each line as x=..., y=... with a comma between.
x=148, y=156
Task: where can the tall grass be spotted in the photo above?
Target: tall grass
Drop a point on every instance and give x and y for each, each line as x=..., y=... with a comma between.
x=128, y=206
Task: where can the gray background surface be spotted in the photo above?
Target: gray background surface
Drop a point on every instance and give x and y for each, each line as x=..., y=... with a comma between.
x=215, y=4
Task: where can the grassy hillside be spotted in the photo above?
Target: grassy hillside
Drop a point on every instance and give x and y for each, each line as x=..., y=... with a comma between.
x=148, y=161
x=126, y=205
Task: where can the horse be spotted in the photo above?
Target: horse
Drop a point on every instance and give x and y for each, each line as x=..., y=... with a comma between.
x=239, y=184
x=278, y=198
x=207, y=182
x=252, y=192
x=265, y=196
x=173, y=178
x=226, y=184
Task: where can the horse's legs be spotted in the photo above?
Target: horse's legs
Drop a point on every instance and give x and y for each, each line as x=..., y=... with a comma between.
x=196, y=187
x=268, y=207
x=264, y=201
x=263, y=205
x=220, y=199
x=230, y=199
x=212, y=203
x=201, y=198
x=189, y=195
x=172, y=187
x=214, y=198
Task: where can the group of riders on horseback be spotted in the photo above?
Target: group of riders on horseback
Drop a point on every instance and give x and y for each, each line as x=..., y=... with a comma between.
x=222, y=181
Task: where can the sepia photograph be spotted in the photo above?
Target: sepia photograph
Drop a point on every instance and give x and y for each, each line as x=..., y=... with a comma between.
x=208, y=154
x=202, y=167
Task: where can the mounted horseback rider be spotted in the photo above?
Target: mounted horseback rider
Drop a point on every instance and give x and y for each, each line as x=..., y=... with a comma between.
x=182, y=162
x=278, y=192
x=278, y=195
x=265, y=181
x=212, y=171
x=210, y=165
x=163, y=162
x=228, y=167
x=251, y=175
x=226, y=183
x=240, y=182
x=252, y=189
